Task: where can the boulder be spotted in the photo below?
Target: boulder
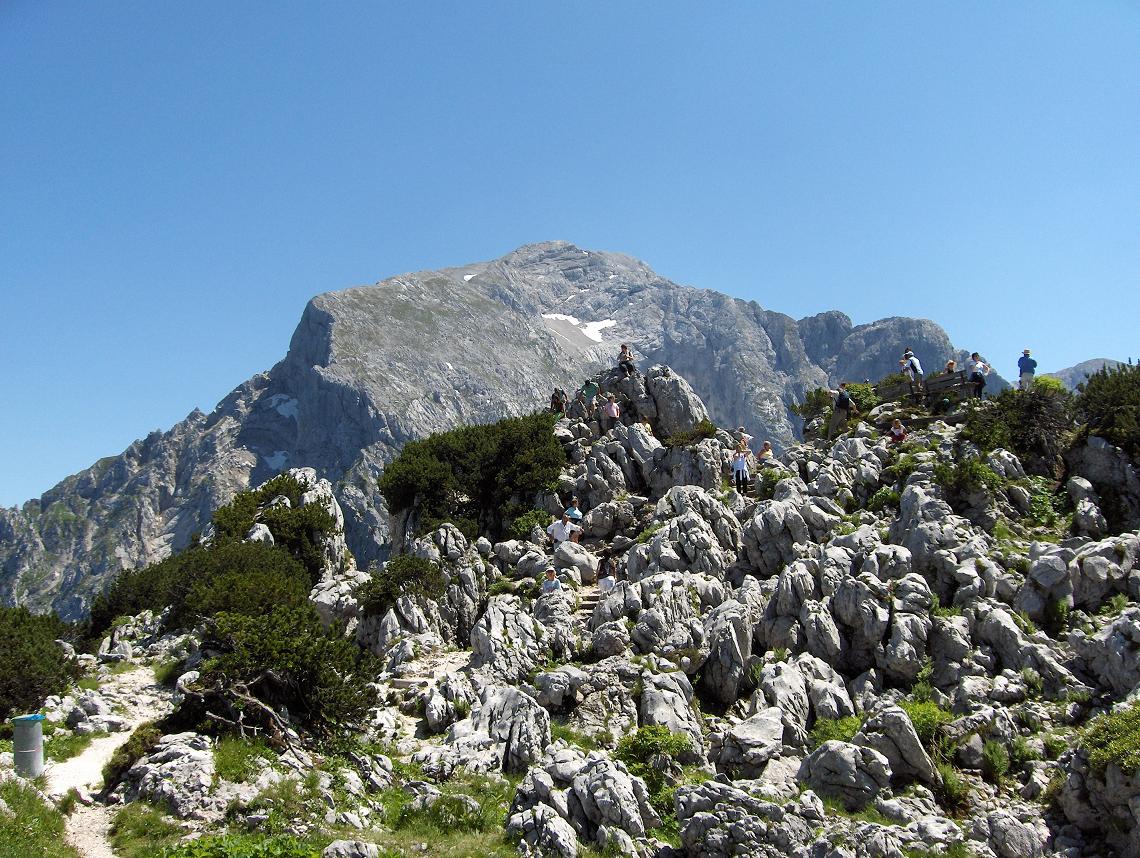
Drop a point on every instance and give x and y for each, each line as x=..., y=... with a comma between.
x=853, y=774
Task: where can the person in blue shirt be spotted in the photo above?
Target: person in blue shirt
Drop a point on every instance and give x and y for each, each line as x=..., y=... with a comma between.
x=1026, y=367
x=573, y=511
x=551, y=584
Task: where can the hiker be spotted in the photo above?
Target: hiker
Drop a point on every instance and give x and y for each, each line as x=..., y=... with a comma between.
x=740, y=471
x=573, y=511
x=563, y=530
x=579, y=409
x=766, y=456
x=978, y=370
x=951, y=366
x=558, y=401
x=743, y=439
x=1026, y=367
x=897, y=433
x=625, y=361
x=645, y=424
x=913, y=370
x=842, y=409
x=551, y=584
x=613, y=413
x=607, y=572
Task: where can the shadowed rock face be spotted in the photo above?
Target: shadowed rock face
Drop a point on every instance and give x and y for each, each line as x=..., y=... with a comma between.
x=372, y=367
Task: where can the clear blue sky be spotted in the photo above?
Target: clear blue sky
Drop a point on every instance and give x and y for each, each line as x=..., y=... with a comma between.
x=178, y=179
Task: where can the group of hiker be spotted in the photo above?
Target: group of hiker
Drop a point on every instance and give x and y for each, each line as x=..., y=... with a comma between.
x=569, y=529
x=977, y=369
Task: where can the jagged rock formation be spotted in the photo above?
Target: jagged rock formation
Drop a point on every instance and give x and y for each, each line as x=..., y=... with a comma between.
x=1074, y=375
x=371, y=367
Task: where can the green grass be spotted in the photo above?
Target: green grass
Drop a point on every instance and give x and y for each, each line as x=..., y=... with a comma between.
x=647, y=533
x=1113, y=605
x=995, y=761
x=35, y=830
x=139, y=831
x=840, y=729
x=246, y=846
x=235, y=759
x=865, y=814
x=65, y=745
x=560, y=730
x=167, y=671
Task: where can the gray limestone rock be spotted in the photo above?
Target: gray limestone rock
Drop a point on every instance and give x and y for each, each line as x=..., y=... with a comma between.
x=851, y=773
x=890, y=732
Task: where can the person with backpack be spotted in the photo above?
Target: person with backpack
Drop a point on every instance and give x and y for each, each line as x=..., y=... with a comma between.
x=1026, y=369
x=625, y=361
x=841, y=410
x=978, y=370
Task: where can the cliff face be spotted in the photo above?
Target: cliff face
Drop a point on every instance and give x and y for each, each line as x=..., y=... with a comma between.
x=369, y=368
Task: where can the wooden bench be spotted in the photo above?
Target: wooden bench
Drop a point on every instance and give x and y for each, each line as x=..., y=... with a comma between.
x=948, y=384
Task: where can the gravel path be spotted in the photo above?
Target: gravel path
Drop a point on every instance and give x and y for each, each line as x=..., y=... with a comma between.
x=143, y=699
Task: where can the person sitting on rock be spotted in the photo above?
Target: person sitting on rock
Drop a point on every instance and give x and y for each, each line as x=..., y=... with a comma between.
x=897, y=433
x=951, y=366
x=563, y=531
x=625, y=361
x=740, y=471
x=978, y=370
x=607, y=571
x=551, y=584
x=647, y=426
x=743, y=439
x=841, y=410
x=573, y=511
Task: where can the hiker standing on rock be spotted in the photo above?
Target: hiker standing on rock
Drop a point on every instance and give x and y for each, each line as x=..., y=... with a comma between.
x=913, y=370
x=979, y=369
x=740, y=471
x=563, y=531
x=841, y=410
x=1026, y=368
x=613, y=413
x=625, y=361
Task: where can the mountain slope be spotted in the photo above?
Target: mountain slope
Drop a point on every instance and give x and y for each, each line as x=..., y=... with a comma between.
x=1074, y=375
x=371, y=367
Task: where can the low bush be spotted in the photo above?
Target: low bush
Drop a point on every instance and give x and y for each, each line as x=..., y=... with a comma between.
x=816, y=404
x=995, y=761
x=766, y=482
x=143, y=740
x=287, y=660
x=928, y=719
x=900, y=470
x=704, y=429
x=1054, y=745
x=637, y=750
x=403, y=575
x=1021, y=752
x=476, y=476
x=863, y=395
x=522, y=526
x=32, y=664
x=1114, y=738
x=964, y=477
x=1034, y=424
x=883, y=498
x=953, y=793
x=1109, y=402
x=838, y=729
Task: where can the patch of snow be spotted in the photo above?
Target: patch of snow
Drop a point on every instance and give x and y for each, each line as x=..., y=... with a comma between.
x=611, y=277
x=593, y=330
x=277, y=461
x=562, y=317
x=467, y=277
x=286, y=406
x=450, y=368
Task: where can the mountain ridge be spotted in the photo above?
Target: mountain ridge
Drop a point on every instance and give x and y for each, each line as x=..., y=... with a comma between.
x=371, y=367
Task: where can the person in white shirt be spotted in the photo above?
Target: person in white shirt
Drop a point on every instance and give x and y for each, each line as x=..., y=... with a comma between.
x=612, y=412
x=563, y=530
x=740, y=471
x=978, y=370
x=913, y=370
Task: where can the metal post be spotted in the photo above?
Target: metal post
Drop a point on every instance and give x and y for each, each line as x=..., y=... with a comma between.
x=28, y=745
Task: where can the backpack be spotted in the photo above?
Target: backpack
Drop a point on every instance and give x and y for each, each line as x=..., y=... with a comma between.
x=843, y=400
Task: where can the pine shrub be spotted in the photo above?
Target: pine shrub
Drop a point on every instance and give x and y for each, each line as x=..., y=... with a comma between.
x=32, y=664
x=1109, y=402
x=403, y=575
x=1114, y=738
x=639, y=749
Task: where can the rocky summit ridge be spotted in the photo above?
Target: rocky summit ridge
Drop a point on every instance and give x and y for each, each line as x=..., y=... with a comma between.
x=371, y=367
x=856, y=657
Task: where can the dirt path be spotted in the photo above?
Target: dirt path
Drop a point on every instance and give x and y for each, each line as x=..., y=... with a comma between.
x=143, y=699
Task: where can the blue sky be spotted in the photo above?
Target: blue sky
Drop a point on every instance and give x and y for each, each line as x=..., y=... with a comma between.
x=177, y=180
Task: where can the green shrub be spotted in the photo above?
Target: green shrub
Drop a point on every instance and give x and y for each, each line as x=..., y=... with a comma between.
x=766, y=482
x=648, y=532
x=1109, y=402
x=1036, y=423
x=1034, y=684
x=863, y=395
x=31, y=828
x=300, y=530
x=450, y=813
x=1021, y=752
x=704, y=429
x=32, y=664
x=141, y=831
x=928, y=718
x=954, y=791
x=560, y=730
x=143, y=740
x=167, y=671
x=962, y=478
x=287, y=659
x=235, y=759
x=995, y=761
x=1048, y=384
x=403, y=575
x=1113, y=605
x=816, y=403
x=839, y=729
x=1114, y=738
x=883, y=498
x=1054, y=745
x=522, y=526
x=479, y=475
x=900, y=470
x=638, y=749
